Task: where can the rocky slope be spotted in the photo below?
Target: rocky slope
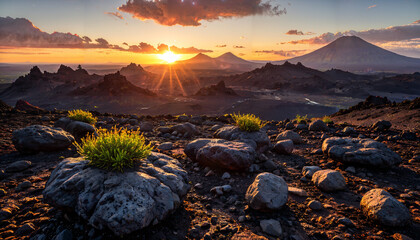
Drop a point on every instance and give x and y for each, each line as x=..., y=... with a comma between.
x=220, y=205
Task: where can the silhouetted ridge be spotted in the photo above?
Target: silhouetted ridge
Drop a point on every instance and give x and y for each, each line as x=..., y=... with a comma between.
x=216, y=90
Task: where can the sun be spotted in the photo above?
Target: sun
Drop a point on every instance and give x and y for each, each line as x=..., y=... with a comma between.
x=169, y=57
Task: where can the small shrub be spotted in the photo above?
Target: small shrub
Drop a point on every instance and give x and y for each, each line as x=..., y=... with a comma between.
x=301, y=119
x=83, y=116
x=114, y=149
x=327, y=119
x=247, y=122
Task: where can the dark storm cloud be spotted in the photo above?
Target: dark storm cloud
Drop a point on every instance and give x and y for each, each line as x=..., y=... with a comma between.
x=192, y=12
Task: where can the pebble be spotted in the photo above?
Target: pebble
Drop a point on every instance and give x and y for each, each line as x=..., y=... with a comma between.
x=315, y=205
x=297, y=191
x=23, y=185
x=65, y=235
x=18, y=166
x=226, y=175
x=350, y=169
x=25, y=229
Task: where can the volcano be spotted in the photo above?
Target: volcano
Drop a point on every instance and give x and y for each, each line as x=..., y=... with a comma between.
x=354, y=54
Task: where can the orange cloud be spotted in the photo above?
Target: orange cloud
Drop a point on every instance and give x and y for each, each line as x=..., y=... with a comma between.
x=296, y=32
x=115, y=14
x=192, y=12
x=291, y=53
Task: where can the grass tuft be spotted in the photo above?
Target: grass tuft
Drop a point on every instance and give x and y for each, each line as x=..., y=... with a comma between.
x=247, y=122
x=83, y=116
x=301, y=119
x=327, y=119
x=114, y=149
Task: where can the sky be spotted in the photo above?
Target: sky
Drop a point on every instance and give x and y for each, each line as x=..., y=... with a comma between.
x=123, y=31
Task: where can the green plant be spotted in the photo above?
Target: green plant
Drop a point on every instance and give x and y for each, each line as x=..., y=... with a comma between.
x=247, y=122
x=327, y=119
x=301, y=119
x=114, y=149
x=83, y=116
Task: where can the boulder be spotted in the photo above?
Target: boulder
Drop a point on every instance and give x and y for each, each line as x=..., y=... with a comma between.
x=360, y=151
x=349, y=131
x=186, y=129
x=259, y=139
x=227, y=155
x=379, y=205
x=268, y=192
x=289, y=134
x=165, y=146
x=284, y=146
x=78, y=129
x=37, y=138
x=381, y=125
x=192, y=148
x=318, y=125
x=123, y=202
x=329, y=180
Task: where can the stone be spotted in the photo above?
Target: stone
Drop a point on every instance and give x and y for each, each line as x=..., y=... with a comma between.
x=315, y=205
x=329, y=180
x=350, y=169
x=289, y=134
x=381, y=125
x=289, y=126
x=308, y=171
x=123, y=202
x=133, y=122
x=18, y=166
x=164, y=129
x=318, y=125
x=284, y=146
x=25, y=230
x=166, y=146
x=186, y=129
x=258, y=139
x=5, y=213
x=23, y=185
x=183, y=118
x=226, y=175
x=349, y=131
x=271, y=227
x=360, y=151
x=408, y=135
x=78, y=129
x=222, y=154
x=270, y=165
x=297, y=191
x=37, y=138
x=377, y=204
x=146, y=126
x=64, y=235
x=301, y=126
x=267, y=192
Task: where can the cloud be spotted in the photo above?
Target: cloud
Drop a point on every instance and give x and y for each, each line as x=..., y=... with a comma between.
x=416, y=22
x=238, y=47
x=192, y=12
x=20, y=32
x=161, y=48
x=291, y=53
x=382, y=35
x=221, y=46
x=115, y=14
x=373, y=6
x=296, y=32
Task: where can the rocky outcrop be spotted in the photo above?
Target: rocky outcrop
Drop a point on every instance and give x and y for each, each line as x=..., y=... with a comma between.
x=379, y=205
x=37, y=138
x=123, y=202
x=381, y=125
x=23, y=105
x=219, y=89
x=284, y=146
x=268, y=192
x=186, y=129
x=258, y=139
x=360, y=151
x=222, y=154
